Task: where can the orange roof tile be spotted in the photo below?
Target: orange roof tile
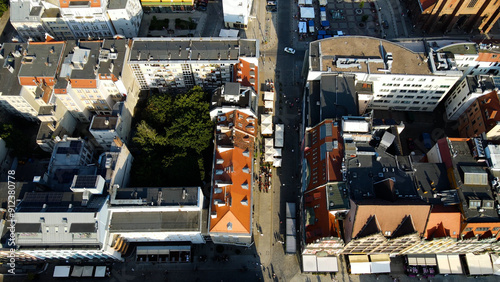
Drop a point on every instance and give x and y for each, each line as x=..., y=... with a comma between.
x=329, y=169
x=231, y=198
x=443, y=220
x=320, y=222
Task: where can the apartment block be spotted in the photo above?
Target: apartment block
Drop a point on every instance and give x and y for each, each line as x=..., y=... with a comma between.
x=465, y=92
x=70, y=19
x=386, y=75
x=236, y=13
x=180, y=63
x=108, y=128
x=231, y=197
x=481, y=117
x=233, y=96
x=446, y=15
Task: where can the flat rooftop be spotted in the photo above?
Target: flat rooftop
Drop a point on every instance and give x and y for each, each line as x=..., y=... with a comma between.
x=324, y=54
x=103, y=123
x=11, y=64
x=59, y=202
x=117, y=48
x=92, y=58
x=461, y=49
x=42, y=59
x=170, y=196
x=191, y=49
x=166, y=221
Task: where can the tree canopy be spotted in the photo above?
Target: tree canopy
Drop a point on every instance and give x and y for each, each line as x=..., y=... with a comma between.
x=15, y=139
x=172, y=137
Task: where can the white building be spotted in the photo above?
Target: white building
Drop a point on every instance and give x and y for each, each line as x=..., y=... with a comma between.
x=25, y=17
x=236, y=13
x=67, y=19
x=232, y=96
x=386, y=75
x=152, y=214
x=105, y=128
x=126, y=16
x=465, y=92
x=179, y=63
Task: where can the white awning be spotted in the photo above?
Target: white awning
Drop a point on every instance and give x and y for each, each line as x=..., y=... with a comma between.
x=268, y=150
x=327, y=264
x=88, y=271
x=422, y=260
x=266, y=124
x=266, y=129
x=277, y=162
x=228, y=33
x=291, y=244
x=268, y=104
x=360, y=264
x=380, y=263
x=268, y=96
x=455, y=264
x=302, y=27
x=277, y=152
x=307, y=12
x=100, y=271
x=443, y=264
x=323, y=2
x=309, y=2
x=302, y=2
x=279, y=133
x=496, y=264
x=309, y=263
x=77, y=271
x=62, y=271
x=479, y=264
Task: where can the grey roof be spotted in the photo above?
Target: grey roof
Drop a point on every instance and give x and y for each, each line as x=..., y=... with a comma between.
x=103, y=122
x=338, y=97
x=10, y=83
x=365, y=170
x=93, y=59
x=431, y=177
x=42, y=59
x=59, y=202
x=82, y=227
x=170, y=196
x=187, y=49
x=117, y=4
x=23, y=11
x=312, y=108
x=28, y=227
x=247, y=98
x=181, y=221
x=119, y=47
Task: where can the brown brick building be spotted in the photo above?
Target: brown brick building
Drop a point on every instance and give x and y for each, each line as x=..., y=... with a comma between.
x=444, y=15
x=483, y=116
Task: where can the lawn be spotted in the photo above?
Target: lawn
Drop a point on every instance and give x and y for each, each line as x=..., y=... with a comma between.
x=157, y=24
x=183, y=24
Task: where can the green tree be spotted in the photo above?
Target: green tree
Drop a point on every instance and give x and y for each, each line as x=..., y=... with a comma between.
x=362, y=4
x=4, y=6
x=15, y=139
x=172, y=138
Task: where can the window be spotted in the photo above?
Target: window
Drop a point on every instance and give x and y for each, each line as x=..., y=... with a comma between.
x=482, y=228
x=468, y=229
x=444, y=86
x=496, y=228
x=472, y=3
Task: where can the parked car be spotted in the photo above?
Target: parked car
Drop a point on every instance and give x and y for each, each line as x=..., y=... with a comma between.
x=426, y=137
x=289, y=50
x=385, y=24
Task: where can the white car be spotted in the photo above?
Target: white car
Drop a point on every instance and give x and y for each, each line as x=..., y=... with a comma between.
x=290, y=50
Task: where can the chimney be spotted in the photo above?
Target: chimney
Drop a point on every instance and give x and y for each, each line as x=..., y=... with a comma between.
x=118, y=142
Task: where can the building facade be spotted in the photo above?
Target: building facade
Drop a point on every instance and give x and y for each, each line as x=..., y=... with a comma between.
x=446, y=15
x=236, y=13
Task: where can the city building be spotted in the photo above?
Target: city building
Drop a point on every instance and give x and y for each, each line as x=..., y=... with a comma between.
x=180, y=63
x=90, y=80
x=465, y=160
x=26, y=18
x=70, y=19
x=173, y=215
x=62, y=225
x=481, y=117
x=52, y=131
x=387, y=75
x=231, y=197
x=465, y=92
x=125, y=16
x=387, y=215
x=446, y=15
x=236, y=13
x=326, y=197
x=107, y=128
x=233, y=96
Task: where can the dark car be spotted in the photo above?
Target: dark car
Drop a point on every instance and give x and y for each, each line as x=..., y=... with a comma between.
x=385, y=24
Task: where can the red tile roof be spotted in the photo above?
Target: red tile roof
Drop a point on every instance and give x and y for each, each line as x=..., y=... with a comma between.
x=233, y=168
x=329, y=169
x=320, y=222
x=443, y=222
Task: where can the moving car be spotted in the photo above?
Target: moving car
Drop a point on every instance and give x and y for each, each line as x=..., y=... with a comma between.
x=290, y=50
